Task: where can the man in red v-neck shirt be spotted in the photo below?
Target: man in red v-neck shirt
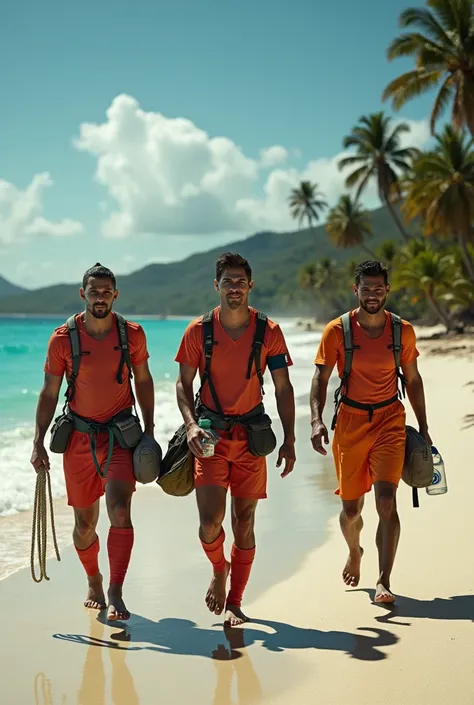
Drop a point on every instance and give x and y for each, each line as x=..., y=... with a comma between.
x=232, y=466
x=369, y=438
x=98, y=396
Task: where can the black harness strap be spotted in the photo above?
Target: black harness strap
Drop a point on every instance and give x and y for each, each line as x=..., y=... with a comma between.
x=260, y=328
x=125, y=358
x=76, y=353
x=340, y=395
x=208, y=345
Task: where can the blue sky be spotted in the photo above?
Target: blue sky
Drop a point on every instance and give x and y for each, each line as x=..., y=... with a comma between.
x=257, y=74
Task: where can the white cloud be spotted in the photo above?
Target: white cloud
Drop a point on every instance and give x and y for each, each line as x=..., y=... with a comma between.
x=166, y=176
x=273, y=155
x=20, y=213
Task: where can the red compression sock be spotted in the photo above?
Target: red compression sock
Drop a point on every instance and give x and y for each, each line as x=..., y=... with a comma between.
x=215, y=552
x=89, y=558
x=119, y=547
x=240, y=567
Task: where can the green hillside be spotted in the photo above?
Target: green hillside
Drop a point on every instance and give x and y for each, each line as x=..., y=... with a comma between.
x=8, y=289
x=185, y=287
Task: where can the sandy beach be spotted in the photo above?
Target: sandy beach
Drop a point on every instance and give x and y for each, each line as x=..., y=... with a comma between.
x=310, y=639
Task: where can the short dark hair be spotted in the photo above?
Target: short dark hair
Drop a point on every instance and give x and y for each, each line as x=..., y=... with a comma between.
x=98, y=271
x=371, y=268
x=229, y=260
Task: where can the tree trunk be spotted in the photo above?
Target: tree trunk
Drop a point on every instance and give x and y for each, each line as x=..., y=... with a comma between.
x=436, y=306
x=466, y=257
x=395, y=217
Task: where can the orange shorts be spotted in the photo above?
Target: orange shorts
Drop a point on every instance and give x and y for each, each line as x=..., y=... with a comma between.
x=84, y=485
x=233, y=466
x=366, y=451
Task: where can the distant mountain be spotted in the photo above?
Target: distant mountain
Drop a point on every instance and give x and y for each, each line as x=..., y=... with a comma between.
x=185, y=287
x=8, y=289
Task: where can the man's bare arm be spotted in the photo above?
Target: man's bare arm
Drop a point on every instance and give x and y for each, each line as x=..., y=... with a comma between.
x=416, y=396
x=318, y=395
x=185, y=398
x=285, y=399
x=317, y=400
x=47, y=402
x=145, y=390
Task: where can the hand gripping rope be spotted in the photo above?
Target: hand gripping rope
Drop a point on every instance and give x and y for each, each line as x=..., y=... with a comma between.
x=40, y=523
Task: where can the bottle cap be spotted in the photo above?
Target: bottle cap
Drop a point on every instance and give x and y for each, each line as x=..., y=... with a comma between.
x=204, y=423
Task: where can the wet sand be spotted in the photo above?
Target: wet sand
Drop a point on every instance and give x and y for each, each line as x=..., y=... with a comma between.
x=310, y=639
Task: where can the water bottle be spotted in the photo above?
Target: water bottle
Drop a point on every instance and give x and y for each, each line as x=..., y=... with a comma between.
x=438, y=484
x=208, y=444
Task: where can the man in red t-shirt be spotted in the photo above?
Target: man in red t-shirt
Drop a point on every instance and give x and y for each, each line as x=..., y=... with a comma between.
x=98, y=396
x=232, y=466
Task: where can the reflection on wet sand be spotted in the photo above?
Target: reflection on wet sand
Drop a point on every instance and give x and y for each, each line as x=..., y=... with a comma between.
x=249, y=690
x=92, y=690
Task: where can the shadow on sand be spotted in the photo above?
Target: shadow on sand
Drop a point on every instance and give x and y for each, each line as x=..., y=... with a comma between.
x=184, y=637
x=456, y=608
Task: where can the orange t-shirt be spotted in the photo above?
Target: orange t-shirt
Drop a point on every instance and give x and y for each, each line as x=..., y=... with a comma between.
x=237, y=394
x=98, y=395
x=372, y=377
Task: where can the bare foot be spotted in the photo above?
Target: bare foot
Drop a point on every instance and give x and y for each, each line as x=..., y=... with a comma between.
x=383, y=594
x=116, y=610
x=95, y=599
x=351, y=572
x=216, y=593
x=234, y=616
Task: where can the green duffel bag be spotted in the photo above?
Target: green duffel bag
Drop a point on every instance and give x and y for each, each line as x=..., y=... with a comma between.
x=418, y=466
x=177, y=467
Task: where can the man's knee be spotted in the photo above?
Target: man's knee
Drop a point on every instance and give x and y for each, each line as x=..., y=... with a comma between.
x=118, y=507
x=386, y=505
x=244, y=520
x=351, y=510
x=84, y=526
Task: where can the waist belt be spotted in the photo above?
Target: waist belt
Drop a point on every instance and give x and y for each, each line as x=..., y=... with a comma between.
x=92, y=428
x=225, y=423
x=369, y=407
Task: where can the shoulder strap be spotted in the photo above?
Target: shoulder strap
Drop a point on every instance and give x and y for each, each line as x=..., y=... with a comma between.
x=256, y=352
x=397, y=351
x=208, y=345
x=75, y=343
x=125, y=358
x=348, y=344
x=396, y=338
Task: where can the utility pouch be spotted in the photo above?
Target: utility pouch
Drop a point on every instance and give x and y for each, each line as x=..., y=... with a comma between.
x=127, y=431
x=60, y=433
x=260, y=436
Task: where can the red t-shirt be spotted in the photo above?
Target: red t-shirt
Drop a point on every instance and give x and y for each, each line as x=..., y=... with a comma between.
x=98, y=395
x=372, y=377
x=236, y=393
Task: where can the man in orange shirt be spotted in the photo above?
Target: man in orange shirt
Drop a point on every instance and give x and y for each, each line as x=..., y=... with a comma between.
x=369, y=438
x=231, y=397
x=100, y=393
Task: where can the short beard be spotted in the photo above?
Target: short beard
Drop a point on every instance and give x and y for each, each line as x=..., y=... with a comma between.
x=234, y=304
x=373, y=311
x=103, y=313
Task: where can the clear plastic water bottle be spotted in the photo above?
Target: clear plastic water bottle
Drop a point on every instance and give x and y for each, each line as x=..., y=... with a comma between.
x=438, y=484
x=208, y=444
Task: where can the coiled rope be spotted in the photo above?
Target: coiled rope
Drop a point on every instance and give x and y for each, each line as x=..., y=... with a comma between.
x=40, y=524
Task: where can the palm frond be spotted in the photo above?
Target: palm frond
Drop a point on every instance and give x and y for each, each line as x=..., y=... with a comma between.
x=445, y=94
x=425, y=21
x=410, y=85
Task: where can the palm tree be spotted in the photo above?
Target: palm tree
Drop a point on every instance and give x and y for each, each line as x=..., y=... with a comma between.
x=378, y=155
x=428, y=275
x=442, y=45
x=349, y=224
x=387, y=252
x=441, y=188
x=307, y=276
x=306, y=202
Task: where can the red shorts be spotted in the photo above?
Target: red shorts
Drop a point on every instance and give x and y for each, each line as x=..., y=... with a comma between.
x=233, y=466
x=84, y=485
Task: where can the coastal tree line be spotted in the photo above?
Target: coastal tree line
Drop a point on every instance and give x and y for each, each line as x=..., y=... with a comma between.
x=431, y=271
